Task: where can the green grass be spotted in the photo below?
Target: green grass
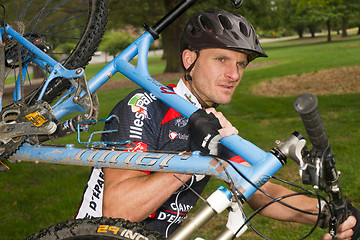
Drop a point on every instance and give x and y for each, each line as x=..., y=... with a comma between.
x=34, y=196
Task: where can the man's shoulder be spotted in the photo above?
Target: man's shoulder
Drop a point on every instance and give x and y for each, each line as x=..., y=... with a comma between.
x=140, y=101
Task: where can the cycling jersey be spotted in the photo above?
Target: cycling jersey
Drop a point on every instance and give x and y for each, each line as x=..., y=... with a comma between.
x=151, y=125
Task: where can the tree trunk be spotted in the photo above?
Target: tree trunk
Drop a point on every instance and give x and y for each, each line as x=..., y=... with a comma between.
x=171, y=40
x=300, y=33
x=312, y=30
x=329, y=30
x=344, y=27
x=358, y=30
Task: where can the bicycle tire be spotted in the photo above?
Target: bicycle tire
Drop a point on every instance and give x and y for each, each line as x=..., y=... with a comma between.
x=88, y=29
x=98, y=228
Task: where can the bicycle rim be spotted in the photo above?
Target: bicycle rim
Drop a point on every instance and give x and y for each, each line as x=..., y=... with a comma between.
x=68, y=31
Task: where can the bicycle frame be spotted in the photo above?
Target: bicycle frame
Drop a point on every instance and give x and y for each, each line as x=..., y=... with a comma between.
x=263, y=164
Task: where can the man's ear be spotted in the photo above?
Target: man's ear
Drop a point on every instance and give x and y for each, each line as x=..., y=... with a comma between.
x=188, y=57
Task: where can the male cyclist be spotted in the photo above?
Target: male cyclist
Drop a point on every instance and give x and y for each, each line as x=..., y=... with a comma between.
x=216, y=47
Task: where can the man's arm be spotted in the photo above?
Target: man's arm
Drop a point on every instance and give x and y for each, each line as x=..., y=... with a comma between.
x=134, y=195
x=281, y=212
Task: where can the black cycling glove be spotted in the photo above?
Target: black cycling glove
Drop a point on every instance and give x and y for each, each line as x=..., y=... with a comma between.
x=204, y=132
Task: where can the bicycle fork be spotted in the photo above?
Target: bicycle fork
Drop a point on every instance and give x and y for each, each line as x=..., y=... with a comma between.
x=215, y=204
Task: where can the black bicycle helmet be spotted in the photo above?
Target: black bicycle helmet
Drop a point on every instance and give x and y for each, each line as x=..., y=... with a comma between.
x=216, y=28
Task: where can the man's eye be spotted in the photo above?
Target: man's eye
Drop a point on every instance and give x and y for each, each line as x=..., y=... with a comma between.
x=241, y=64
x=220, y=59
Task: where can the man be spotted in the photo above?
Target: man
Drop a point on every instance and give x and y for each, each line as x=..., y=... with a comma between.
x=216, y=47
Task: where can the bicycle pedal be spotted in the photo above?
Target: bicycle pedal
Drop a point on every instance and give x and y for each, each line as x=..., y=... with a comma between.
x=4, y=167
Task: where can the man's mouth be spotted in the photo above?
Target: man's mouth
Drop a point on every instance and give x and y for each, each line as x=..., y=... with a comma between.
x=227, y=86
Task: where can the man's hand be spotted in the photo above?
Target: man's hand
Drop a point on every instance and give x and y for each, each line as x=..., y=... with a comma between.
x=226, y=128
x=207, y=128
x=350, y=229
x=345, y=230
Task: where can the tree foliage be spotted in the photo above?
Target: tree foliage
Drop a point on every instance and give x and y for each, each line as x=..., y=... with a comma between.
x=336, y=14
x=270, y=18
x=114, y=42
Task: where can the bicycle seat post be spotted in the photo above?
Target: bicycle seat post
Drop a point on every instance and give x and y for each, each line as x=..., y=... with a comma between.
x=169, y=18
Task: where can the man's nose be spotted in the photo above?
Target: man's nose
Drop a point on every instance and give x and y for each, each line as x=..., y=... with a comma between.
x=233, y=73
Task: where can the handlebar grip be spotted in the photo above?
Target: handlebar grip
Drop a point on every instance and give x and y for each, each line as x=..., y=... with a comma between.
x=306, y=105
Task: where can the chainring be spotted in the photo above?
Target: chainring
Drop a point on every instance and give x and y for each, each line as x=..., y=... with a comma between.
x=7, y=148
x=21, y=113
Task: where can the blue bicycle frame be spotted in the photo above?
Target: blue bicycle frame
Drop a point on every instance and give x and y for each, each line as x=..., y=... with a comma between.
x=263, y=164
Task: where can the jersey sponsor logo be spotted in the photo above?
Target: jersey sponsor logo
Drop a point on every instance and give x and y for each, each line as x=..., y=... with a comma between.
x=188, y=97
x=94, y=196
x=172, y=135
x=139, y=147
x=138, y=104
x=171, y=217
x=185, y=208
x=182, y=136
x=181, y=122
x=176, y=215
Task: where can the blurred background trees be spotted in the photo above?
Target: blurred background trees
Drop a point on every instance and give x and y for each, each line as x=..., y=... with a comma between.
x=271, y=18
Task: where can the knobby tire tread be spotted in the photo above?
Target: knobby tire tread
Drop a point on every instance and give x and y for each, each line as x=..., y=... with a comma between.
x=98, y=228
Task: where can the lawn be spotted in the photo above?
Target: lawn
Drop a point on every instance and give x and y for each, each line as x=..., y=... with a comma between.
x=35, y=196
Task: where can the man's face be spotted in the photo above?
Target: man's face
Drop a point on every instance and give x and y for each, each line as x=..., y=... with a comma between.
x=216, y=74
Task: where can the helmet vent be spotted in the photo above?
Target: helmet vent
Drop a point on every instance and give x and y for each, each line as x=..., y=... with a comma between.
x=236, y=36
x=244, y=30
x=225, y=22
x=206, y=23
x=192, y=30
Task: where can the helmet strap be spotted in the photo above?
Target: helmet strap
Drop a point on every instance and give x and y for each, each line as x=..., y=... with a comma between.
x=187, y=76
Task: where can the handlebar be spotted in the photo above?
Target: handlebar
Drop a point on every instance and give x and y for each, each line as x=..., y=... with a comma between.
x=306, y=106
x=322, y=159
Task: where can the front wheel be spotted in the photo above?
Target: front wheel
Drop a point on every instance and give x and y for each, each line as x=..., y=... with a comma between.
x=98, y=228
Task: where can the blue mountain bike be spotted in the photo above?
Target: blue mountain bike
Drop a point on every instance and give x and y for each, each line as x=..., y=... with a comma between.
x=32, y=118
